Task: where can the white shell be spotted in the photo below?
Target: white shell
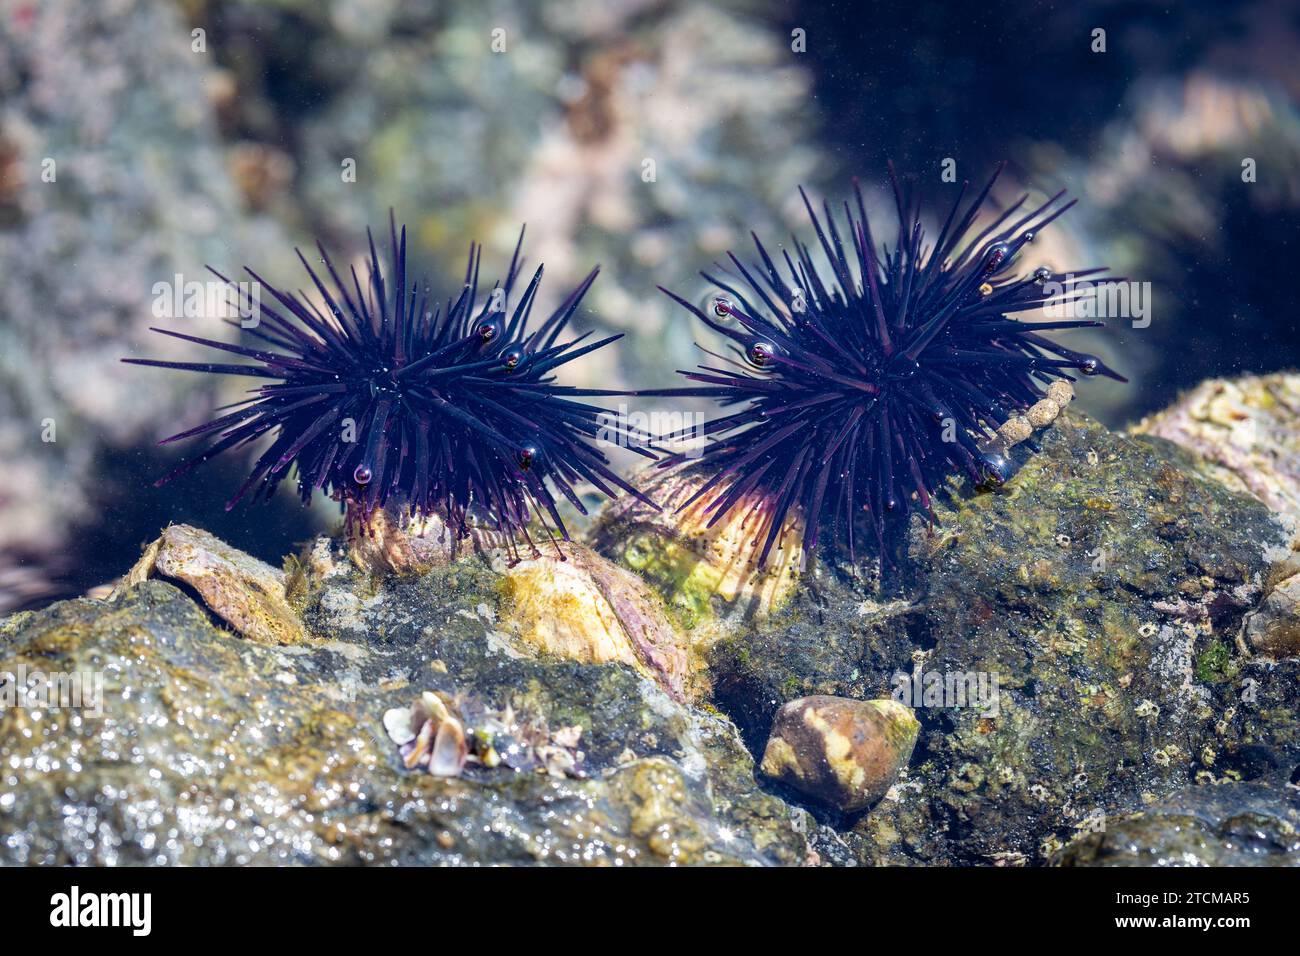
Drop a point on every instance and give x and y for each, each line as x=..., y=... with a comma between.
x=449, y=749
x=398, y=723
x=432, y=707
x=420, y=751
x=567, y=736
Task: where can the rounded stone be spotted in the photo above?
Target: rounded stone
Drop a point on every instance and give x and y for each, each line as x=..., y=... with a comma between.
x=842, y=753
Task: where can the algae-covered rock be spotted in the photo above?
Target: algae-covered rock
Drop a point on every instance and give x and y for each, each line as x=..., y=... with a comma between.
x=1102, y=591
x=203, y=747
x=1077, y=648
x=1253, y=823
x=1245, y=433
x=1071, y=646
x=705, y=571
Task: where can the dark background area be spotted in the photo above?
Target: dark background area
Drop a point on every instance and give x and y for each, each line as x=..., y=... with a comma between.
x=991, y=82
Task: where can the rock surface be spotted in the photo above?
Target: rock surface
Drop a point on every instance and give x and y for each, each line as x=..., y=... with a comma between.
x=1245, y=433
x=587, y=609
x=215, y=749
x=246, y=593
x=1105, y=590
x=1274, y=628
x=1254, y=823
x=1101, y=594
x=1088, y=626
x=704, y=572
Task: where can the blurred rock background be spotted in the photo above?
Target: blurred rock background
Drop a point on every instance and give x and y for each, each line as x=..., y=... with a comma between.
x=173, y=150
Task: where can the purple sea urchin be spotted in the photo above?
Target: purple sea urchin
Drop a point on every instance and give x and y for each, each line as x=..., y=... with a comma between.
x=858, y=394
x=452, y=412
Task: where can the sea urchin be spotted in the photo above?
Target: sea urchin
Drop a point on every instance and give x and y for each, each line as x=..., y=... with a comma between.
x=453, y=412
x=857, y=394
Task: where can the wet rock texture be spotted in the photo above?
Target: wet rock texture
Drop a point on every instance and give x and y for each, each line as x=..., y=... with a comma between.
x=703, y=570
x=247, y=594
x=587, y=609
x=1104, y=589
x=1245, y=433
x=215, y=749
x=1102, y=611
x=1245, y=824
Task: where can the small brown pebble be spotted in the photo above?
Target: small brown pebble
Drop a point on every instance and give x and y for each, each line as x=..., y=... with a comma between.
x=1043, y=413
x=1015, y=430
x=840, y=752
x=1060, y=392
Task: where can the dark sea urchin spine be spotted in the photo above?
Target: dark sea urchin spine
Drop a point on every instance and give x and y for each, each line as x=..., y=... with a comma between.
x=376, y=399
x=856, y=395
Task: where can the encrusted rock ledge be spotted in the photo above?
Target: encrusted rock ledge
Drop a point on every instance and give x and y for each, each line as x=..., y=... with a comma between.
x=204, y=746
x=1117, y=624
x=1076, y=646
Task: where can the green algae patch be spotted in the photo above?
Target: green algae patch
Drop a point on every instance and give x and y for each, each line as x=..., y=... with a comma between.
x=686, y=581
x=1215, y=664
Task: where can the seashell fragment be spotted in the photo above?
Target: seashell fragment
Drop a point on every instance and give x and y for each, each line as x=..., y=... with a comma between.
x=398, y=724
x=449, y=749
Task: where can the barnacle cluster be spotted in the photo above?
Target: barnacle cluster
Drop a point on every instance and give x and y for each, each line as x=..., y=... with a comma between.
x=442, y=733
